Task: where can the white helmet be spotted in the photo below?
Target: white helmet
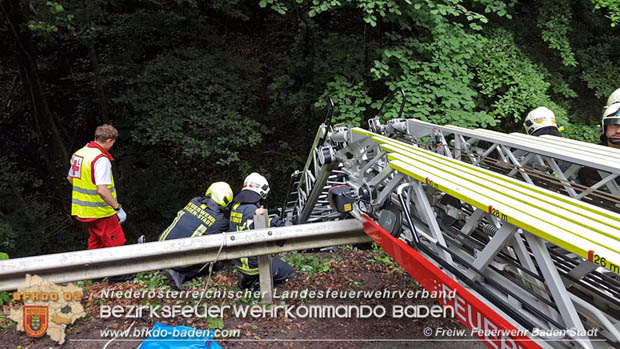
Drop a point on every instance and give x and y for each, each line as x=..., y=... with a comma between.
x=611, y=116
x=257, y=184
x=614, y=97
x=539, y=118
x=221, y=193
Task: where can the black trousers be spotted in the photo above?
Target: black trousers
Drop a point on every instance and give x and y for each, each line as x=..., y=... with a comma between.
x=280, y=270
x=191, y=271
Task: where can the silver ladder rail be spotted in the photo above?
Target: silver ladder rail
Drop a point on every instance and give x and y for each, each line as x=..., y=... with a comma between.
x=548, y=161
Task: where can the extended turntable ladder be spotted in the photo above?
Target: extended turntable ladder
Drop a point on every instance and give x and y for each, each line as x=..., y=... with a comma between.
x=526, y=256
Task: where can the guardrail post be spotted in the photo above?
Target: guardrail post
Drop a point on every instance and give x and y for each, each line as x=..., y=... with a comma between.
x=264, y=265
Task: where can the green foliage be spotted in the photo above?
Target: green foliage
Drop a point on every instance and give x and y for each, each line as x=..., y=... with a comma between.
x=436, y=77
x=251, y=300
x=350, y=98
x=510, y=82
x=7, y=238
x=599, y=63
x=204, y=91
x=216, y=322
x=583, y=133
x=380, y=256
x=308, y=263
x=230, y=8
x=5, y=298
x=554, y=21
x=153, y=280
x=355, y=284
x=193, y=105
x=51, y=17
x=275, y=5
x=83, y=283
x=613, y=8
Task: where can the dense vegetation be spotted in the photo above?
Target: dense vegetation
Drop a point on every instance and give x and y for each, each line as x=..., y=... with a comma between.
x=212, y=90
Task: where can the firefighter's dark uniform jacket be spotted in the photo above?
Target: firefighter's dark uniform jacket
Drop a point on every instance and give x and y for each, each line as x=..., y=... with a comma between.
x=242, y=218
x=589, y=176
x=201, y=216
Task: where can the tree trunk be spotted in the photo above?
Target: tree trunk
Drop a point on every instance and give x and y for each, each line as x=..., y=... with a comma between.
x=105, y=118
x=44, y=120
x=92, y=54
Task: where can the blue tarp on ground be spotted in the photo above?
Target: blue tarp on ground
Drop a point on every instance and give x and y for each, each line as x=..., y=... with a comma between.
x=169, y=337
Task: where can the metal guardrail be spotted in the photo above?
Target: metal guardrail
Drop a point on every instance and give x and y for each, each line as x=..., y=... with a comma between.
x=91, y=264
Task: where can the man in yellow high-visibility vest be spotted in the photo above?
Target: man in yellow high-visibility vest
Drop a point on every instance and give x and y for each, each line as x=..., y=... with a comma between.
x=93, y=200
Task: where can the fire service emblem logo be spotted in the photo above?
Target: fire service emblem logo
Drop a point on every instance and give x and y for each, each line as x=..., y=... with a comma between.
x=35, y=320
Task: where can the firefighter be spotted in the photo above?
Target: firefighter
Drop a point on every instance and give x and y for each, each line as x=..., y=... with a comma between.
x=201, y=216
x=245, y=205
x=611, y=126
x=610, y=137
x=541, y=121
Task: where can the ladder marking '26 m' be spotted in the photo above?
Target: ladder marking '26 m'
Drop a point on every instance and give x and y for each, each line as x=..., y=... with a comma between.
x=603, y=262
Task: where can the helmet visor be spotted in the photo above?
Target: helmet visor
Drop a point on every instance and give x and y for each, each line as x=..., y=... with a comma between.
x=549, y=130
x=612, y=119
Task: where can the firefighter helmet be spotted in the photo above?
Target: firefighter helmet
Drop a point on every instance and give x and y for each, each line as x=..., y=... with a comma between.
x=614, y=97
x=221, y=193
x=257, y=184
x=611, y=116
x=539, y=118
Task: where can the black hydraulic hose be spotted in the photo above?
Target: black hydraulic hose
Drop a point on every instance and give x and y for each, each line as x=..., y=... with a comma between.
x=402, y=105
x=383, y=104
x=399, y=191
x=330, y=112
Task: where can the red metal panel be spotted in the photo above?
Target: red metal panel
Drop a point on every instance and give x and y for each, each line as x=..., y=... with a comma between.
x=492, y=329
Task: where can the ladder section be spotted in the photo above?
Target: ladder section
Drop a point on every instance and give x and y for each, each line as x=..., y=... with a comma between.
x=541, y=260
x=308, y=202
x=550, y=162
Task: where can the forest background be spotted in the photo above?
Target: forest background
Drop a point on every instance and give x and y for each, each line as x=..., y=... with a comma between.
x=205, y=91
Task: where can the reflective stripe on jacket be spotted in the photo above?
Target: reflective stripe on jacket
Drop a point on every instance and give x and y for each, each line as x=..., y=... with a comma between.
x=199, y=217
x=85, y=201
x=242, y=218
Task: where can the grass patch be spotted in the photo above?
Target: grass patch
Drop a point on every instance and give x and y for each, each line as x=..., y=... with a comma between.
x=215, y=322
x=308, y=263
x=382, y=257
x=5, y=298
x=153, y=280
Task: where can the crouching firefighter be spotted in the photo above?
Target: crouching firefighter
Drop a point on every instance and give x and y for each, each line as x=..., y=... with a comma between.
x=201, y=216
x=245, y=205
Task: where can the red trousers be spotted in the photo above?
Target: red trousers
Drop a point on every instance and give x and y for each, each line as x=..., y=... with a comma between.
x=105, y=232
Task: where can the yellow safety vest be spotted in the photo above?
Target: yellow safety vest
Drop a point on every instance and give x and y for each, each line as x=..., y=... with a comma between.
x=85, y=201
